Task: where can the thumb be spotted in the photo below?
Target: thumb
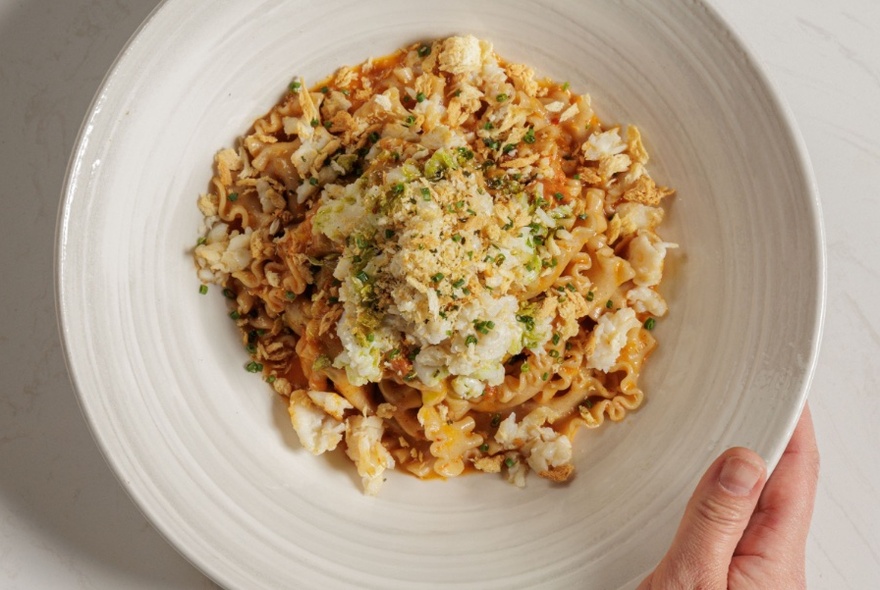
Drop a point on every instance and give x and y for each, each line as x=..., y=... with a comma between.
x=713, y=523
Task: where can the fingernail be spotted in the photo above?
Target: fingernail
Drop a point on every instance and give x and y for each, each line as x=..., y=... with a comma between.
x=739, y=477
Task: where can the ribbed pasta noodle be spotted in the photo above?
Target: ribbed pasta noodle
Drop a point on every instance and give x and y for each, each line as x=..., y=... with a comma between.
x=443, y=262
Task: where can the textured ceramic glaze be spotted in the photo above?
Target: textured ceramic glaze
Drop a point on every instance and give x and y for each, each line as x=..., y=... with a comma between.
x=206, y=449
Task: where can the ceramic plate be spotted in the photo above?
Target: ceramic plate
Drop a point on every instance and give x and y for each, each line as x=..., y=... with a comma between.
x=206, y=449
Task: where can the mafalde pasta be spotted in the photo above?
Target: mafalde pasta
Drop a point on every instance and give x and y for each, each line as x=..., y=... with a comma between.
x=444, y=263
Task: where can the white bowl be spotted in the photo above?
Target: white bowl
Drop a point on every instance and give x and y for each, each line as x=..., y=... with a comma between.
x=206, y=449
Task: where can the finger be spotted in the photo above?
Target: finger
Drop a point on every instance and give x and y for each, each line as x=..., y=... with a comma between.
x=781, y=521
x=713, y=523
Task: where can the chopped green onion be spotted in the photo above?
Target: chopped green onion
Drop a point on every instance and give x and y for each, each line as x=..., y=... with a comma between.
x=313, y=181
x=529, y=137
x=270, y=379
x=389, y=233
x=471, y=339
x=324, y=89
x=232, y=197
x=290, y=295
x=314, y=122
x=609, y=304
x=420, y=97
x=234, y=314
x=373, y=137
x=203, y=289
x=484, y=448
x=253, y=367
x=555, y=338
x=590, y=296
x=229, y=293
x=362, y=277
x=437, y=277
x=545, y=376
x=496, y=420
x=501, y=97
x=201, y=241
x=424, y=50
x=409, y=121
x=509, y=462
x=295, y=85
x=649, y=323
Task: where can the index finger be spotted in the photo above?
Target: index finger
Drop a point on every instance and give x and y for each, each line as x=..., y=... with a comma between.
x=781, y=520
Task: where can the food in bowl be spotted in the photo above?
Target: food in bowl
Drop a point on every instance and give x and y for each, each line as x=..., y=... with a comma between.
x=442, y=262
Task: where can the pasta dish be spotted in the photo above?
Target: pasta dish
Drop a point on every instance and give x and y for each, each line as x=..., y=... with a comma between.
x=442, y=262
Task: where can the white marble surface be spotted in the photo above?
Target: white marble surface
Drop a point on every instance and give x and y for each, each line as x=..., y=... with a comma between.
x=65, y=522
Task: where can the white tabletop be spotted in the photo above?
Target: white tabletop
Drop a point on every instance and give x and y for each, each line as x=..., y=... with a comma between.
x=65, y=521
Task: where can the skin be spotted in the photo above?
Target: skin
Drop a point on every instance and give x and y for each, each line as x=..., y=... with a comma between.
x=742, y=530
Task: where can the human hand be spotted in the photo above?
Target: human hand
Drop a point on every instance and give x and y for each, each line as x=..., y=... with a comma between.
x=741, y=530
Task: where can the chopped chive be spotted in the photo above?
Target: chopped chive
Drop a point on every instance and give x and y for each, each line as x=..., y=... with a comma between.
x=471, y=339
x=203, y=289
x=295, y=86
x=649, y=323
x=545, y=376
x=555, y=338
x=362, y=277
x=437, y=277
x=420, y=97
x=529, y=137
x=253, y=367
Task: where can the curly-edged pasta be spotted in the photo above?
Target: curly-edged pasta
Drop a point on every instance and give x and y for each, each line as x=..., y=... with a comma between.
x=443, y=263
